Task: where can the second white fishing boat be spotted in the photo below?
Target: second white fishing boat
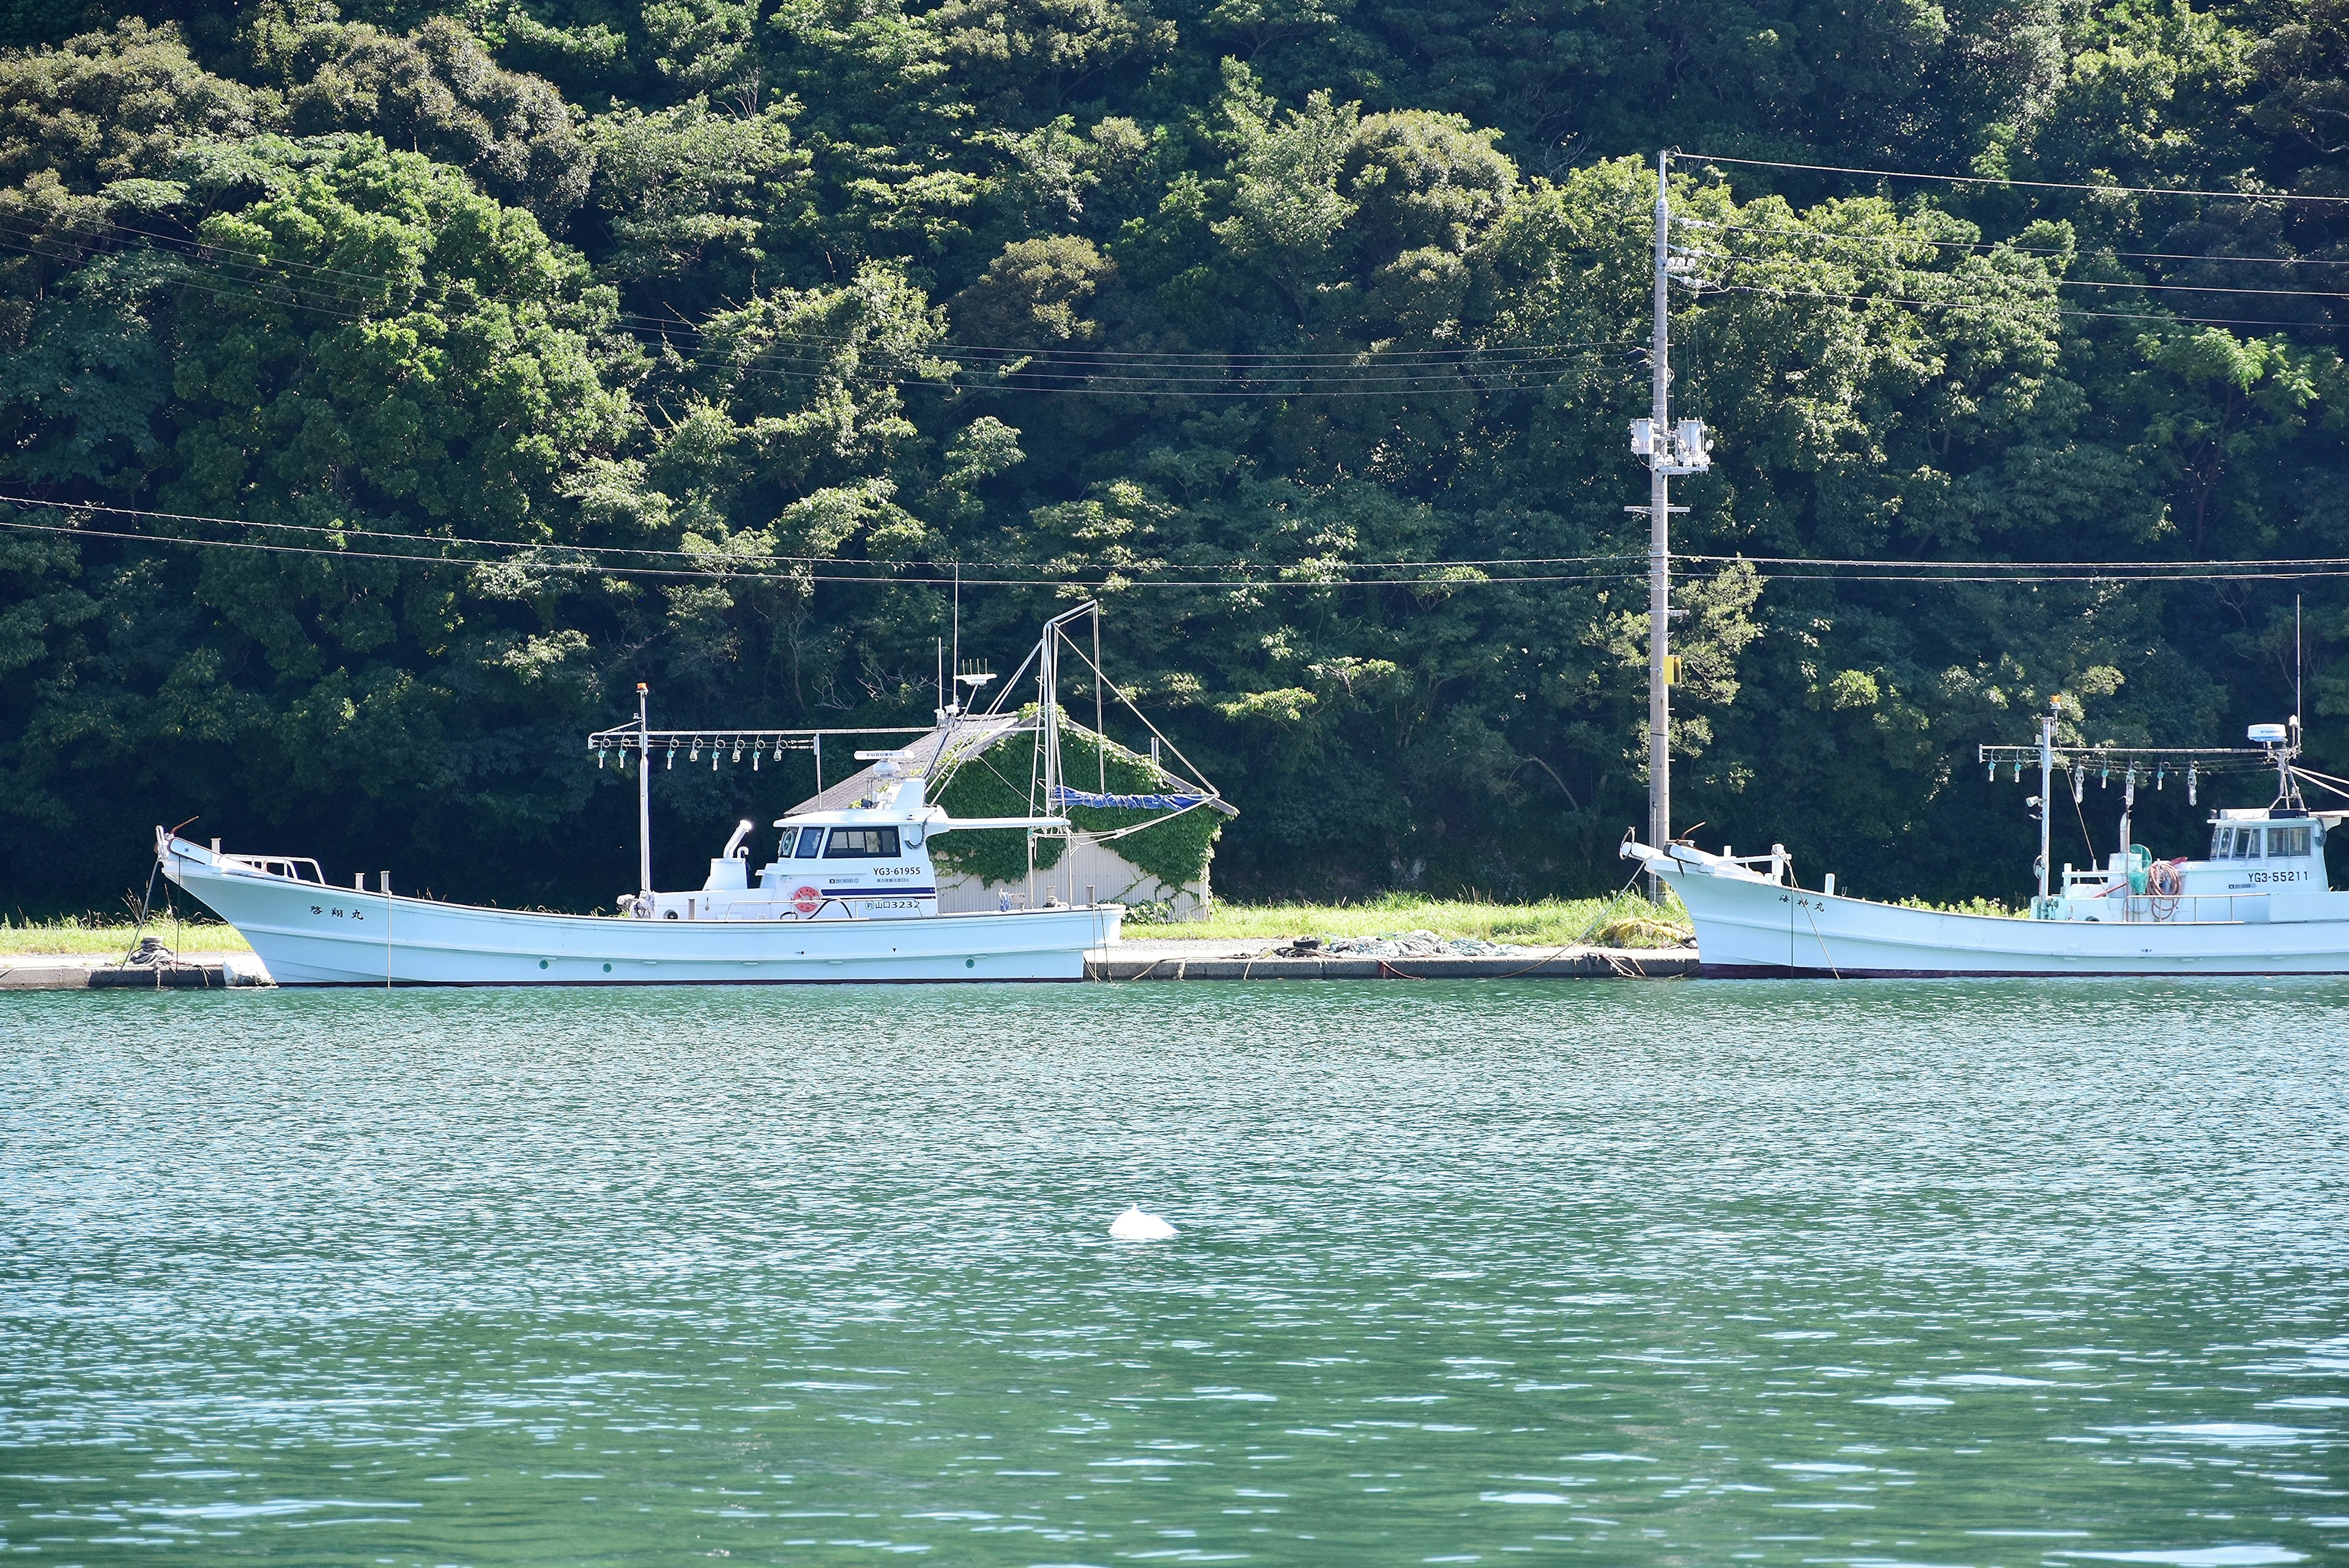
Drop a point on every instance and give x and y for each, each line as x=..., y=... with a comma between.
x=2259, y=903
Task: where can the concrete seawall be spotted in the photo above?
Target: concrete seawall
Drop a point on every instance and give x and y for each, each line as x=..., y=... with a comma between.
x=1188, y=960
x=91, y=971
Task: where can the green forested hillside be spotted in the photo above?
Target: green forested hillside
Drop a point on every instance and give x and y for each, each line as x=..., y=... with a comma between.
x=505, y=354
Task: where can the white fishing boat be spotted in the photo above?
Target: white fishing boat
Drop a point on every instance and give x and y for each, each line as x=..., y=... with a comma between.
x=2257, y=903
x=851, y=894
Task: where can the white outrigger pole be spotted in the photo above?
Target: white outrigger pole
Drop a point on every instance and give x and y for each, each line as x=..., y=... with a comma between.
x=644, y=791
x=1670, y=450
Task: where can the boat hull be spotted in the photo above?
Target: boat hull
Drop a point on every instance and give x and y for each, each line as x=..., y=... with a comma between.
x=1749, y=927
x=311, y=935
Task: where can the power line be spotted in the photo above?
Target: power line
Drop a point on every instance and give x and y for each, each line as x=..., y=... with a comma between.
x=1508, y=369
x=2270, y=564
x=1136, y=575
x=2296, y=575
x=2087, y=283
x=2263, y=563
x=2090, y=253
x=1313, y=381
x=2027, y=184
x=1436, y=378
x=2055, y=309
x=2199, y=288
x=200, y=248
x=1180, y=366
x=1132, y=575
x=203, y=248
x=370, y=533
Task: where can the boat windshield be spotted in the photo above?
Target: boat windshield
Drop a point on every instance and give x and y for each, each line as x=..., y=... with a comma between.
x=863, y=844
x=2235, y=844
x=810, y=843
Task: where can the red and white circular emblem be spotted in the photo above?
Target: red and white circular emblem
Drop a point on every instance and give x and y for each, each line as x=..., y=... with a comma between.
x=807, y=900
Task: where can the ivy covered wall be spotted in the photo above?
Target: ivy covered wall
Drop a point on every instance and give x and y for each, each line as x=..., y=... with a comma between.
x=1174, y=848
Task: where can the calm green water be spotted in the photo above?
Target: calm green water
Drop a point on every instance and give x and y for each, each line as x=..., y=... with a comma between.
x=1670, y=1274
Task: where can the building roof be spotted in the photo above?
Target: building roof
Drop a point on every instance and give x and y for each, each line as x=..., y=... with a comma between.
x=920, y=758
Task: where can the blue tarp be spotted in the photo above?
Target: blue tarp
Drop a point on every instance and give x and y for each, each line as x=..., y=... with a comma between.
x=1068, y=797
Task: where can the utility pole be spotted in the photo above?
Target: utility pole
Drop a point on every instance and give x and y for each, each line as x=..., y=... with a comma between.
x=1660, y=540
x=1686, y=449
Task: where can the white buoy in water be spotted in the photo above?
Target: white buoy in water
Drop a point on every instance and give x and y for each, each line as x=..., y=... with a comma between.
x=1133, y=1225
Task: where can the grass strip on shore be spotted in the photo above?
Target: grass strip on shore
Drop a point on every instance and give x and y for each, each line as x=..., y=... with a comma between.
x=1624, y=920
x=90, y=935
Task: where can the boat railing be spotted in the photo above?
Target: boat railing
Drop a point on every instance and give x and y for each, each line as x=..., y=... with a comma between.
x=2102, y=889
x=290, y=867
x=2192, y=908
x=1775, y=862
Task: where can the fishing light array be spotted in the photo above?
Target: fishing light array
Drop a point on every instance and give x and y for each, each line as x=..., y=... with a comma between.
x=760, y=745
x=768, y=748
x=2132, y=764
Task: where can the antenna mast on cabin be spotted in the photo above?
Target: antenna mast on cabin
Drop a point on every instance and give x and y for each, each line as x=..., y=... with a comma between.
x=1685, y=448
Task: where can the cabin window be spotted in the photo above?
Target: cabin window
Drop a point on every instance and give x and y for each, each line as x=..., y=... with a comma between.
x=863, y=844
x=810, y=843
x=2222, y=843
x=2287, y=841
x=2247, y=843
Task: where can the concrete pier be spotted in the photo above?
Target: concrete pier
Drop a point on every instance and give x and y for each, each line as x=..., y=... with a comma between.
x=97, y=972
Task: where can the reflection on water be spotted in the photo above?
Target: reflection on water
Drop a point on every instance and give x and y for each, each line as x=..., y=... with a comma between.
x=1695, y=1274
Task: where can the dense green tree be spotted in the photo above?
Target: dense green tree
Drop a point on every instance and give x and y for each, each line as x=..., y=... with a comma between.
x=435, y=91
x=697, y=201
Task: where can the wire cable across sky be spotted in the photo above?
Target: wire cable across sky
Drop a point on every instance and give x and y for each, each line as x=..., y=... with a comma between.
x=1316, y=573
x=2022, y=184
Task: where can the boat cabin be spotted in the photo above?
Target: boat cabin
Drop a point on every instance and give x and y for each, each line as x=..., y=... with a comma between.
x=2264, y=864
x=868, y=861
x=2237, y=838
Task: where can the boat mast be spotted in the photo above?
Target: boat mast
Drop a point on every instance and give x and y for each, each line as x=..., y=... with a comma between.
x=1048, y=678
x=2046, y=788
x=2291, y=786
x=644, y=791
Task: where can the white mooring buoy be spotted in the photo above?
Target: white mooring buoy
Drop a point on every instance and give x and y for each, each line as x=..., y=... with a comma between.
x=1133, y=1225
